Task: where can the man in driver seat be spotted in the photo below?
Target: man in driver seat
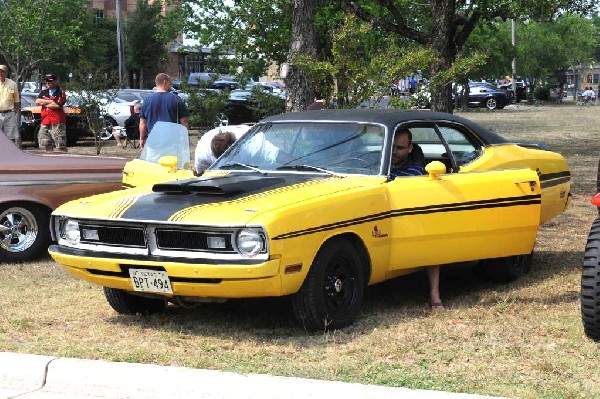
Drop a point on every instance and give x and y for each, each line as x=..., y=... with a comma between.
x=404, y=162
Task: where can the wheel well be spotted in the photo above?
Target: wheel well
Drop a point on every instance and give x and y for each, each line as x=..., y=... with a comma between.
x=361, y=250
x=8, y=204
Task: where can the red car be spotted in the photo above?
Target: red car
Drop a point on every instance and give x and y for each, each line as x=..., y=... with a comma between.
x=33, y=185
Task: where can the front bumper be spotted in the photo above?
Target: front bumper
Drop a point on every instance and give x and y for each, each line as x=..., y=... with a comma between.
x=187, y=279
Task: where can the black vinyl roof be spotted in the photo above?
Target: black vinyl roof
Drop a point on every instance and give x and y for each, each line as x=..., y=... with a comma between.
x=388, y=117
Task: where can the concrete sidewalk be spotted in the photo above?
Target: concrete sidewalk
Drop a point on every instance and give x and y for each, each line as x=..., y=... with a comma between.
x=46, y=377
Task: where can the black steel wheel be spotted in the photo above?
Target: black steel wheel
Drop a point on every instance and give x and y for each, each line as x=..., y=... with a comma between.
x=590, y=284
x=125, y=303
x=24, y=231
x=333, y=290
x=505, y=270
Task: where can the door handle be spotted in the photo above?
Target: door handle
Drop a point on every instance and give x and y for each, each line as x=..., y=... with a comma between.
x=532, y=183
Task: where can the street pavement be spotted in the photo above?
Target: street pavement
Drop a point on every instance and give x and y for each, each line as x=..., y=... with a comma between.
x=25, y=376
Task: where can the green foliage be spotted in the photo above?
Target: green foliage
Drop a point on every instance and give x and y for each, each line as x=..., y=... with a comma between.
x=267, y=104
x=494, y=41
x=366, y=62
x=251, y=29
x=543, y=48
x=542, y=92
x=35, y=31
x=205, y=106
x=90, y=88
x=146, y=39
x=99, y=47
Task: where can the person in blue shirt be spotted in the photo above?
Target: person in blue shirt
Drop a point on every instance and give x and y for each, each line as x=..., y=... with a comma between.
x=162, y=106
x=403, y=164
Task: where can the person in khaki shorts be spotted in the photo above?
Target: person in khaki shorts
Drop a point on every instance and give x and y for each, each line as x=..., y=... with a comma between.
x=53, y=131
x=9, y=104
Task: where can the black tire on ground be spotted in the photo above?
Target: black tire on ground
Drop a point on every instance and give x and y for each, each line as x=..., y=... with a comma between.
x=491, y=103
x=332, y=293
x=24, y=231
x=36, y=136
x=505, y=270
x=123, y=302
x=590, y=284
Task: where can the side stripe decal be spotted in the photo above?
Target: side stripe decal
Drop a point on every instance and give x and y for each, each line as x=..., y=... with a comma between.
x=467, y=206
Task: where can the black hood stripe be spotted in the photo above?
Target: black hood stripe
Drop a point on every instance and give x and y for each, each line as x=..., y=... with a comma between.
x=431, y=209
x=122, y=205
x=168, y=206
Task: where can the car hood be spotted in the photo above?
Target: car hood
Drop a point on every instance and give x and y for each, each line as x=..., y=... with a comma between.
x=231, y=199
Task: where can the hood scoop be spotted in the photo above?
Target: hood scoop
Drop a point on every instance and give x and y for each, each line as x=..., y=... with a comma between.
x=218, y=186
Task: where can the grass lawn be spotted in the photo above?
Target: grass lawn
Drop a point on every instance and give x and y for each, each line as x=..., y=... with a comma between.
x=522, y=340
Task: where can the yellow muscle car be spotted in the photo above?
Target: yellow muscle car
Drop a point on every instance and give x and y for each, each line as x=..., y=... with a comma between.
x=304, y=205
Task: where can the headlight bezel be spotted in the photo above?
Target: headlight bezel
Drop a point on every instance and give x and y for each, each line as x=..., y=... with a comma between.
x=250, y=242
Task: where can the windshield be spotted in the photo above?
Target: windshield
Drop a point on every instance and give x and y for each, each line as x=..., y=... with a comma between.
x=167, y=138
x=315, y=147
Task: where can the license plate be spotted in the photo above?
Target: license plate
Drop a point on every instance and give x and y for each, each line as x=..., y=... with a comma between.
x=145, y=280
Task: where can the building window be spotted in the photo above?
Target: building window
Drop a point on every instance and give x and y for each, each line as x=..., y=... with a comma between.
x=595, y=78
x=99, y=14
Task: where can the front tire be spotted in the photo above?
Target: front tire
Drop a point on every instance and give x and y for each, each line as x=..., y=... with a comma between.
x=24, y=231
x=123, y=302
x=590, y=284
x=333, y=290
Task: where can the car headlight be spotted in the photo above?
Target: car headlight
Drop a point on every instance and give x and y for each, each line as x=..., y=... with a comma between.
x=250, y=242
x=71, y=232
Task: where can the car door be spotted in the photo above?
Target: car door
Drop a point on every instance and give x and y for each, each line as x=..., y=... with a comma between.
x=459, y=217
x=455, y=217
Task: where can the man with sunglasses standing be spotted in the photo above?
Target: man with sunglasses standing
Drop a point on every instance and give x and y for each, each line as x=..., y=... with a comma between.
x=53, y=131
x=9, y=105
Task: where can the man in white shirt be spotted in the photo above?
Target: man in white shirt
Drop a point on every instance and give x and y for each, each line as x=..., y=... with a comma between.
x=9, y=104
x=204, y=156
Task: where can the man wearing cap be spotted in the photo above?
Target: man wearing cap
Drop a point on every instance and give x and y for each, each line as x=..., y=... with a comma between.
x=53, y=131
x=9, y=104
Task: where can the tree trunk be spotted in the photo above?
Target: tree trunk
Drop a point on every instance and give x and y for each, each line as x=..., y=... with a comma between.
x=300, y=87
x=442, y=42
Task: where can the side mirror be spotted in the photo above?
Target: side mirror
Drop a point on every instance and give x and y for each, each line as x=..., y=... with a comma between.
x=435, y=168
x=168, y=161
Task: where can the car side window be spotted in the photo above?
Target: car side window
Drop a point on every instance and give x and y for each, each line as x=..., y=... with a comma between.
x=463, y=150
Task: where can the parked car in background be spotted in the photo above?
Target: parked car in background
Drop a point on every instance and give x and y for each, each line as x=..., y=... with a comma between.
x=241, y=107
x=482, y=94
x=196, y=78
x=32, y=185
x=75, y=126
x=303, y=206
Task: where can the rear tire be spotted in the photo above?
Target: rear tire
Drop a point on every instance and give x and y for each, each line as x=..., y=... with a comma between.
x=332, y=293
x=590, y=284
x=491, y=103
x=123, y=302
x=505, y=270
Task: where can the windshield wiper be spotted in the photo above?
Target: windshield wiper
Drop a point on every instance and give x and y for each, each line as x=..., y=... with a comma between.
x=235, y=164
x=308, y=167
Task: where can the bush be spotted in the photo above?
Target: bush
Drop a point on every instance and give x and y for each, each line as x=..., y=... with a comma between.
x=267, y=104
x=542, y=92
x=204, y=106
